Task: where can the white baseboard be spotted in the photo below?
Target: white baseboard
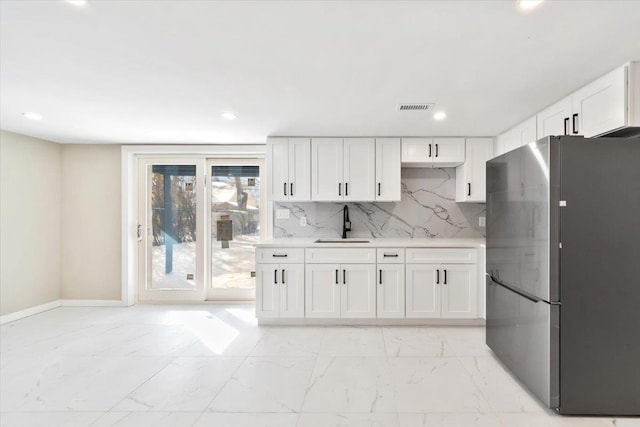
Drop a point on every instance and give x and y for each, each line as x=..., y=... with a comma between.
x=17, y=315
x=372, y=322
x=91, y=303
x=21, y=314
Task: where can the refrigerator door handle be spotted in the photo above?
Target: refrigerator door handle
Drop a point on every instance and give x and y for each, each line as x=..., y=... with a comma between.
x=523, y=294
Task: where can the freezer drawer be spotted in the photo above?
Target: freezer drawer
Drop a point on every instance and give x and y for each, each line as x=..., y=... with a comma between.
x=524, y=335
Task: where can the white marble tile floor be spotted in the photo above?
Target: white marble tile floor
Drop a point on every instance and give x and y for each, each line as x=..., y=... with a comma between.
x=212, y=365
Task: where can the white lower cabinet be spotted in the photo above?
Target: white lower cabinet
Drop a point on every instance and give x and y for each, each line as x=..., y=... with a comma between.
x=340, y=290
x=390, y=294
x=442, y=290
x=367, y=283
x=280, y=290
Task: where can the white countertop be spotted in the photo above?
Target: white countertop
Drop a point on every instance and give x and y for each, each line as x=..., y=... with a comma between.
x=375, y=243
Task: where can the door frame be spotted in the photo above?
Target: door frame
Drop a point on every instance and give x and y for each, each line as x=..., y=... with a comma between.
x=129, y=199
x=232, y=294
x=145, y=251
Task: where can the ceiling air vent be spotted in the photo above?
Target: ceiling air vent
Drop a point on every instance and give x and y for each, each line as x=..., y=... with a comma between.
x=415, y=107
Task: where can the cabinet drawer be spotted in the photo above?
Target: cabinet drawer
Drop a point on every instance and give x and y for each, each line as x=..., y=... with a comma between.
x=390, y=255
x=340, y=255
x=279, y=255
x=442, y=255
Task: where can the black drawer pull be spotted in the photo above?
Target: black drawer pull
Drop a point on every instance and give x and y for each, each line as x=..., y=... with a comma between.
x=390, y=255
x=575, y=123
x=279, y=255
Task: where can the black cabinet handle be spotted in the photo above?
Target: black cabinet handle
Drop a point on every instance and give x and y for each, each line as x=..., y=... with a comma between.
x=575, y=123
x=339, y=189
x=381, y=277
x=336, y=277
x=285, y=188
x=445, y=277
x=390, y=255
x=291, y=189
x=283, y=276
x=346, y=188
x=468, y=189
x=429, y=150
x=566, y=125
x=279, y=255
x=275, y=276
x=344, y=277
x=437, y=277
x=436, y=150
x=378, y=189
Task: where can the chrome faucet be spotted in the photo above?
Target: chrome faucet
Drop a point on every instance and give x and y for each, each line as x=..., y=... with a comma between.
x=346, y=224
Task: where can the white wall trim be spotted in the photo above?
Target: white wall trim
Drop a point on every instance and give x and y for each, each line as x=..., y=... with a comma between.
x=91, y=303
x=372, y=322
x=21, y=314
x=129, y=176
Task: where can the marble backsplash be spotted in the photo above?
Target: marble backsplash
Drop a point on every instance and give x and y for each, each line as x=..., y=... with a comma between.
x=427, y=209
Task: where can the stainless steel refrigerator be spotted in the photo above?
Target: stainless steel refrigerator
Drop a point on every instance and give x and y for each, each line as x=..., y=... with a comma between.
x=563, y=271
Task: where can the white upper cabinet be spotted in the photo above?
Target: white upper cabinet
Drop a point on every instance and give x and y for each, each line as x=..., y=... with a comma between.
x=432, y=152
x=388, y=166
x=471, y=176
x=601, y=106
x=327, y=168
x=343, y=169
x=359, y=169
x=288, y=174
x=522, y=134
x=556, y=119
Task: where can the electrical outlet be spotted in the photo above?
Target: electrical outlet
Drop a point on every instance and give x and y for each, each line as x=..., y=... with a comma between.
x=282, y=213
x=303, y=221
x=482, y=221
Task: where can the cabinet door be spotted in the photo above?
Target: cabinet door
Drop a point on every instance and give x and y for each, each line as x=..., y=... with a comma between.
x=423, y=290
x=417, y=150
x=390, y=295
x=471, y=176
x=601, y=106
x=326, y=169
x=299, y=169
x=528, y=132
x=388, y=166
x=267, y=292
x=278, y=168
x=459, y=291
x=358, y=293
x=555, y=120
x=448, y=151
x=292, y=290
x=322, y=288
x=359, y=169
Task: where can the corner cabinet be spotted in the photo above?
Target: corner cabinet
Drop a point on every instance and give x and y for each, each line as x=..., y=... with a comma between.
x=288, y=169
x=522, y=134
x=471, y=176
x=433, y=152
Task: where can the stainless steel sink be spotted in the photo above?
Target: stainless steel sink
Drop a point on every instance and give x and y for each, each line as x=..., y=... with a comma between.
x=341, y=241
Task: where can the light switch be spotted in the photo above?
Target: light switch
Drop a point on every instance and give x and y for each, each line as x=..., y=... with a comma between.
x=303, y=221
x=282, y=213
x=482, y=221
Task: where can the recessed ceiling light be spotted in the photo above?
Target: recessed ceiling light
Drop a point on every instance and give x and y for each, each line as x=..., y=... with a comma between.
x=228, y=115
x=529, y=4
x=440, y=115
x=77, y=2
x=31, y=116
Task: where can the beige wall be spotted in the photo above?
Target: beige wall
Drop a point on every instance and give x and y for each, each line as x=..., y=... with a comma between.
x=30, y=224
x=91, y=263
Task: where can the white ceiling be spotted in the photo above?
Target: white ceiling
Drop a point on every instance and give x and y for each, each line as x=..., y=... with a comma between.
x=162, y=72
